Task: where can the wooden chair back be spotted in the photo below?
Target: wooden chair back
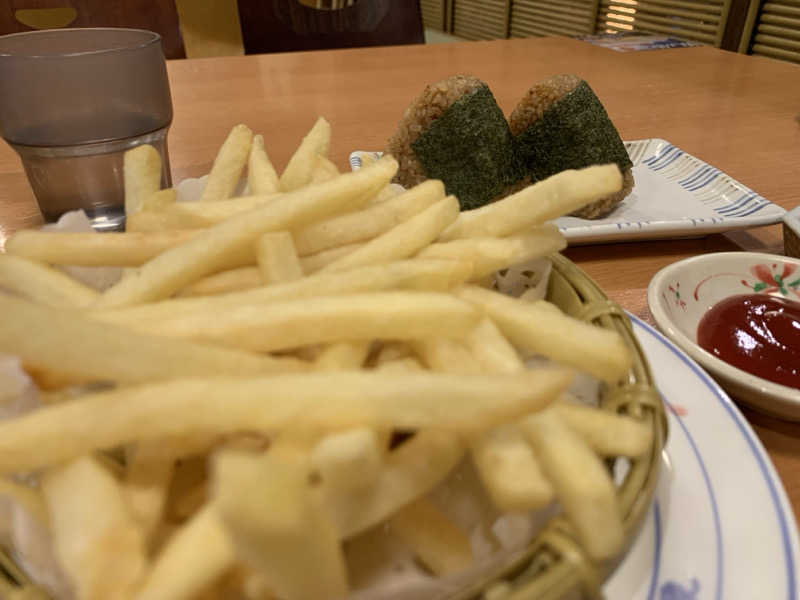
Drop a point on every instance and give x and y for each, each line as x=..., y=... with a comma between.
x=155, y=15
x=288, y=25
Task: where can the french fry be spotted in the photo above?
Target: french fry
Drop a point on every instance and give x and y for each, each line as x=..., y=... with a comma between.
x=224, y=282
x=261, y=175
x=368, y=223
x=403, y=240
x=387, y=192
x=502, y=457
x=228, y=165
x=445, y=355
x=213, y=248
x=254, y=587
x=607, y=434
x=314, y=263
x=198, y=215
x=298, y=171
x=96, y=539
x=323, y=170
x=342, y=356
x=43, y=284
x=489, y=255
x=431, y=275
x=492, y=350
x=117, y=249
x=148, y=472
x=509, y=470
x=102, y=352
x=150, y=221
x=393, y=351
x=27, y=497
x=367, y=158
x=319, y=320
x=141, y=175
x=277, y=527
x=436, y=541
x=195, y=556
x=321, y=401
x=582, y=483
x=530, y=328
x=277, y=258
x=26, y=526
x=543, y=201
x=349, y=460
x=409, y=472
x=400, y=365
x=159, y=200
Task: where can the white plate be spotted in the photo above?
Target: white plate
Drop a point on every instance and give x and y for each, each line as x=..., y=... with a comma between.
x=720, y=526
x=676, y=196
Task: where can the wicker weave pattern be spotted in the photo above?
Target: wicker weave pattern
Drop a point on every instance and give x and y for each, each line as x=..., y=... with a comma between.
x=554, y=565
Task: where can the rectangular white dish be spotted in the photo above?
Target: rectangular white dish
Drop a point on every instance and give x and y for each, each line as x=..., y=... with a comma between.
x=676, y=195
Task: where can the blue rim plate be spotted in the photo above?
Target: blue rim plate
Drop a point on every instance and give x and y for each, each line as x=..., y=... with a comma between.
x=720, y=526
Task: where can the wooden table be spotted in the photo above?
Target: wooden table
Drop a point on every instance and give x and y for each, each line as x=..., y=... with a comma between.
x=735, y=112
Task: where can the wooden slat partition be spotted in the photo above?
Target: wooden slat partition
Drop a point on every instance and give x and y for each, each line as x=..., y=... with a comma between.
x=702, y=20
x=552, y=17
x=433, y=12
x=480, y=19
x=777, y=32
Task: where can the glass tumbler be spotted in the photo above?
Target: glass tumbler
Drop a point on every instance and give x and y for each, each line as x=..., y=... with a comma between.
x=72, y=101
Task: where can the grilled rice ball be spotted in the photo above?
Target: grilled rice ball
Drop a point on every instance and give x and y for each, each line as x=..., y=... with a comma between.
x=455, y=131
x=561, y=124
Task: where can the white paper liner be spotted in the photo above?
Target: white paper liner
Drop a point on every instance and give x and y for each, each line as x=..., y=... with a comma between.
x=18, y=393
x=21, y=532
x=32, y=549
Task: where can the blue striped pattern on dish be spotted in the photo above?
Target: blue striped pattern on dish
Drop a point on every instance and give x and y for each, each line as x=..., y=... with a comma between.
x=724, y=195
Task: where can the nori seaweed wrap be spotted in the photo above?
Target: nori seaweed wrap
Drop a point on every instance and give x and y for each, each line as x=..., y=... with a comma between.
x=560, y=124
x=455, y=131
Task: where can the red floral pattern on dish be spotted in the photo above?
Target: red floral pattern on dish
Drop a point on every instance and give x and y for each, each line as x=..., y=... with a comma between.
x=770, y=278
x=676, y=293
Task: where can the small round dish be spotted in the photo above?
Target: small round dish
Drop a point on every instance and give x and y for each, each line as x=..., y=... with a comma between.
x=680, y=294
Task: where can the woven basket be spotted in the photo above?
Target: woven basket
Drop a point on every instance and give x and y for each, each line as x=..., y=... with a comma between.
x=554, y=566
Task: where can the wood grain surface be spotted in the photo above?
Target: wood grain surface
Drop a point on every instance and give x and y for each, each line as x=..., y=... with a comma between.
x=735, y=112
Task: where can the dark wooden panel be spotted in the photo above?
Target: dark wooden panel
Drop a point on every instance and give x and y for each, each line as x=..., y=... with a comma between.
x=734, y=28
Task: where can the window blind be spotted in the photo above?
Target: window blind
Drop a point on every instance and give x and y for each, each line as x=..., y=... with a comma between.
x=552, y=17
x=433, y=14
x=777, y=32
x=699, y=20
x=480, y=19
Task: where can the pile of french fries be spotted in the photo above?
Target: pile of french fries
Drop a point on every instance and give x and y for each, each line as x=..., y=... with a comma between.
x=225, y=419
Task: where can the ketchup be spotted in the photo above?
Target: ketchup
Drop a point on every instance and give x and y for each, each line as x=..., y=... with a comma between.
x=757, y=333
